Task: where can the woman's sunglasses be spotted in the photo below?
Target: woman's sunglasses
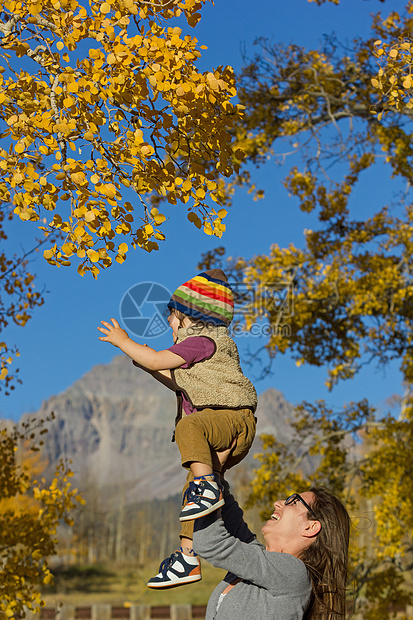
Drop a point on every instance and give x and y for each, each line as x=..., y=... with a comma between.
x=296, y=497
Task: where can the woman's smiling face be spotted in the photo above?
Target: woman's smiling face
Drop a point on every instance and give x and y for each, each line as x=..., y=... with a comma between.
x=289, y=526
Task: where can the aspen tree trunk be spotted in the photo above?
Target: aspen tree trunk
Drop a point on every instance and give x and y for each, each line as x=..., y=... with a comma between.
x=142, y=536
x=119, y=542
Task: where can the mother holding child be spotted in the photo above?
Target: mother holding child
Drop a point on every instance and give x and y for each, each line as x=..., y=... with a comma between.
x=300, y=572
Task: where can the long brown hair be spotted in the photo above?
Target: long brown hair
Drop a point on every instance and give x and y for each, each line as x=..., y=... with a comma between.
x=326, y=558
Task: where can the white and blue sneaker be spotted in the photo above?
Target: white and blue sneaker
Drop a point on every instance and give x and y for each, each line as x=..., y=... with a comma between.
x=202, y=497
x=177, y=570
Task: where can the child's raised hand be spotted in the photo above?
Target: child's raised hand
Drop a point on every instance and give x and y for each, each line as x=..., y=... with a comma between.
x=113, y=333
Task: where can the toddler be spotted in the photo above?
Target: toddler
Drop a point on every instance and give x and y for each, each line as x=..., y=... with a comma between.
x=216, y=402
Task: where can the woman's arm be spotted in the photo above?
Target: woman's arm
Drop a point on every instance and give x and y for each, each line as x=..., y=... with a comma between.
x=233, y=517
x=232, y=514
x=279, y=573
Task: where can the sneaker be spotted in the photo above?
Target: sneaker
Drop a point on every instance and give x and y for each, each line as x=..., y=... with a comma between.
x=203, y=497
x=177, y=570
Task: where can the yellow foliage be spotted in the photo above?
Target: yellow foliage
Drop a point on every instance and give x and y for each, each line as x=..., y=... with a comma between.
x=30, y=512
x=18, y=299
x=350, y=281
x=134, y=103
x=104, y=115
x=394, y=79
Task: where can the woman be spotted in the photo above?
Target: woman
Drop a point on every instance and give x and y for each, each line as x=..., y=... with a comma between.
x=300, y=573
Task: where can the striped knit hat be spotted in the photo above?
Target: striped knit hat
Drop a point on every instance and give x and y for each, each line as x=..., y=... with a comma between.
x=207, y=297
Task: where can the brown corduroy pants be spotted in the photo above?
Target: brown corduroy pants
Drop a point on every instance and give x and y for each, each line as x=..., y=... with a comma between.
x=204, y=432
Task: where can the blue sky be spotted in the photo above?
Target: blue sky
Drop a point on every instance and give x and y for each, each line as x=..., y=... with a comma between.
x=61, y=342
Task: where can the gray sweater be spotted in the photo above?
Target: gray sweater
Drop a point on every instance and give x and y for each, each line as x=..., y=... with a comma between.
x=274, y=586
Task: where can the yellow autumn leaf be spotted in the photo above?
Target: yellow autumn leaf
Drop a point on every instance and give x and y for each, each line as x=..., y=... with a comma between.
x=208, y=229
x=93, y=255
x=159, y=218
x=108, y=190
x=78, y=177
x=147, y=149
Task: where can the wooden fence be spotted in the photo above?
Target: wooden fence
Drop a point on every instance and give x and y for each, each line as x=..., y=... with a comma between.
x=146, y=612
x=107, y=612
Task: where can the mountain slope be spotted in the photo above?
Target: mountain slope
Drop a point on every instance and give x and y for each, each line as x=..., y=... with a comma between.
x=115, y=424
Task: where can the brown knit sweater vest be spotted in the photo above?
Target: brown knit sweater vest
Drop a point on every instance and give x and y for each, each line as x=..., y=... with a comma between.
x=217, y=382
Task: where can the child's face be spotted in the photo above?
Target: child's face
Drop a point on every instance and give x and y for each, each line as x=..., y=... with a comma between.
x=174, y=325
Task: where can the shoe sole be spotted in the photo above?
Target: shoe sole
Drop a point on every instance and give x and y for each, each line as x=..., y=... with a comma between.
x=204, y=513
x=174, y=584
